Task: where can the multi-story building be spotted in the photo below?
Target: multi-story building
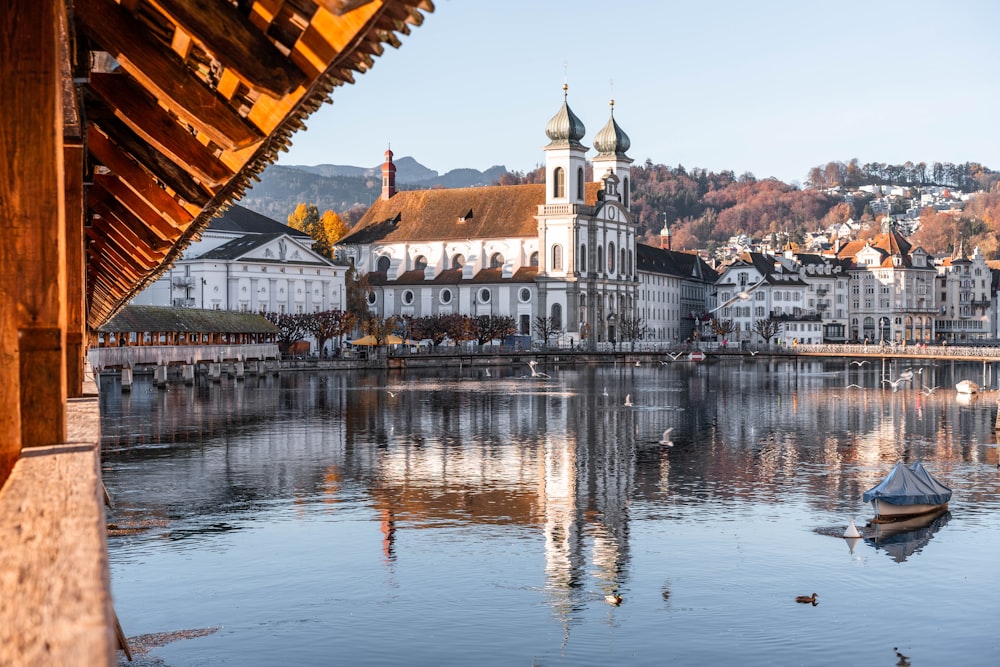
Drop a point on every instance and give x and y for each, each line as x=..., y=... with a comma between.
x=248, y=262
x=892, y=289
x=965, y=291
x=564, y=250
x=674, y=290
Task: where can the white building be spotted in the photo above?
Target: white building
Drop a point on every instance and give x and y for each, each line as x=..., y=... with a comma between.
x=565, y=249
x=892, y=289
x=964, y=287
x=247, y=262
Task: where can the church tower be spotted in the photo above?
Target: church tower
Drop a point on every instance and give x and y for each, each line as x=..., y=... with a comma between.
x=611, y=143
x=565, y=157
x=388, y=176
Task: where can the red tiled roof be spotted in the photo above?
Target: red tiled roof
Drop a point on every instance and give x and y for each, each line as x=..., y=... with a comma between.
x=497, y=211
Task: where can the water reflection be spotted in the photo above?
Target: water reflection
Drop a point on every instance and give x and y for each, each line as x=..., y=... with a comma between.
x=902, y=539
x=761, y=442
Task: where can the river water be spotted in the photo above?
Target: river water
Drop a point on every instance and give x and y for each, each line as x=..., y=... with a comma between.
x=447, y=517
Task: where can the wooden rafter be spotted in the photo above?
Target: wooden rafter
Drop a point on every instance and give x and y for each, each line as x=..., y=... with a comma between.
x=236, y=43
x=163, y=73
x=132, y=105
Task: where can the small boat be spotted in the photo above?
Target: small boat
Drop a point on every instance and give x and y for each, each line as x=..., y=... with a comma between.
x=906, y=537
x=967, y=387
x=907, y=492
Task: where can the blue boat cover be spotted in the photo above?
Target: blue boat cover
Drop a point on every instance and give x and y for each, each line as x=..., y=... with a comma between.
x=909, y=486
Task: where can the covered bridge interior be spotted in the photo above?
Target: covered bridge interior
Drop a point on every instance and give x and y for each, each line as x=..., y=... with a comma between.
x=127, y=126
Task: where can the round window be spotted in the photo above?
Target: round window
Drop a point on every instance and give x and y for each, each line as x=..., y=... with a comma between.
x=484, y=295
x=407, y=297
x=525, y=295
x=446, y=296
x=371, y=298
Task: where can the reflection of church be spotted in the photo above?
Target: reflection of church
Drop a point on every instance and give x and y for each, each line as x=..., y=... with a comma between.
x=565, y=249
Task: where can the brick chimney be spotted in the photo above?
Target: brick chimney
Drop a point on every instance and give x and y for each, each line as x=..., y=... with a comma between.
x=388, y=176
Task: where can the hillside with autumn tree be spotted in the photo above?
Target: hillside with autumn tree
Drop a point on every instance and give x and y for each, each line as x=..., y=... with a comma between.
x=705, y=209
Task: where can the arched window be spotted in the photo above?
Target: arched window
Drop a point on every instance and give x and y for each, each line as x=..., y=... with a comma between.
x=383, y=264
x=623, y=265
x=600, y=257
x=533, y=260
x=611, y=258
x=558, y=182
x=557, y=257
x=582, y=258
x=420, y=263
x=496, y=261
x=557, y=316
x=579, y=183
x=625, y=192
x=458, y=261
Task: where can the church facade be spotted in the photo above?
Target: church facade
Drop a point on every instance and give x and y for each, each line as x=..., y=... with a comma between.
x=564, y=250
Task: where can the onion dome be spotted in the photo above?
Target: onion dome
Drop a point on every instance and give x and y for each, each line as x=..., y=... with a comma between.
x=565, y=128
x=612, y=140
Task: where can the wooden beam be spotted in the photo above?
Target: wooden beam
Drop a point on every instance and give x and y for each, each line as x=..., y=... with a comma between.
x=165, y=233
x=341, y=7
x=236, y=43
x=170, y=174
x=150, y=121
x=139, y=179
x=161, y=71
x=76, y=268
x=32, y=207
x=124, y=236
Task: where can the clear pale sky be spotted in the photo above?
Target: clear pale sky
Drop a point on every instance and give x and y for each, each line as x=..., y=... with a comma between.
x=768, y=87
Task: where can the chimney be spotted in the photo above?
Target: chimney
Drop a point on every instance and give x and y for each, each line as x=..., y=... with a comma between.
x=388, y=176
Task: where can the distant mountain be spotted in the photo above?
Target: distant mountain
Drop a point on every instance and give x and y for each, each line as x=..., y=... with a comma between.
x=342, y=187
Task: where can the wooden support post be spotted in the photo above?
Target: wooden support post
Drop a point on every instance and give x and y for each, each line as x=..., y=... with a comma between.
x=32, y=257
x=160, y=376
x=76, y=271
x=126, y=379
x=240, y=370
x=187, y=373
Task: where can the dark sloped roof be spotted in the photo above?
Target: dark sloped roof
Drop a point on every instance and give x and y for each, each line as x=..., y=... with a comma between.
x=244, y=221
x=672, y=262
x=497, y=211
x=239, y=247
x=159, y=318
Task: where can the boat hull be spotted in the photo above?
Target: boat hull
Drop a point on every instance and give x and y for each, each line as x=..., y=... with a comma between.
x=886, y=511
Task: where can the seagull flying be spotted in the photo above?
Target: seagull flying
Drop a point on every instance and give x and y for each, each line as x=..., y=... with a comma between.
x=927, y=391
x=628, y=401
x=666, y=441
x=894, y=383
x=859, y=363
x=637, y=363
x=753, y=353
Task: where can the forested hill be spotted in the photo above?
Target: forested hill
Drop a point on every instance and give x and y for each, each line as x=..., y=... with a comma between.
x=702, y=208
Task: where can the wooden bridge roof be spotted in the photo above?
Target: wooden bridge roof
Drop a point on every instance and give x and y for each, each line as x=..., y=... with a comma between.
x=168, y=320
x=180, y=103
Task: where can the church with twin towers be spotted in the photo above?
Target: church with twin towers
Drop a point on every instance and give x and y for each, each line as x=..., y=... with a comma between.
x=565, y=249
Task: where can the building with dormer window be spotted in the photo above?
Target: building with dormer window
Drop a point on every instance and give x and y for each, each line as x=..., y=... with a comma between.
x=892, y=289
x=565, y=249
